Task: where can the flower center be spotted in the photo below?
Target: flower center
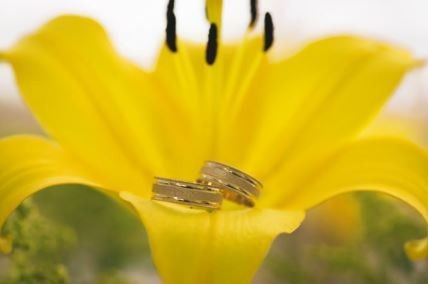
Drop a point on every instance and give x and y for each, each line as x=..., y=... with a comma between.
x=214, y=14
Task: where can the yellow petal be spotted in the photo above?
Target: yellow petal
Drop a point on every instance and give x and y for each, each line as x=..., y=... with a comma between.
x=389, y=165
x=417, y=249
x=409, y=126
x=310, y=103
x=192, y=246
x=110, y=114
x=29, y=164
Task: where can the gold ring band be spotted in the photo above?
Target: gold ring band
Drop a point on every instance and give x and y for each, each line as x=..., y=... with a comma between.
x=201, y=196
x=235, y=185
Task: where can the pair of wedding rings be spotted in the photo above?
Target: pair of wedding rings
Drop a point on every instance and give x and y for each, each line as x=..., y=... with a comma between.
x=216, y=182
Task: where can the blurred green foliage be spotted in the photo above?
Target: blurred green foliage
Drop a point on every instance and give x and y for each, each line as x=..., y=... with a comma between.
x=108, y=233
x=375, y=257
x=76, y=232
x=39, y=248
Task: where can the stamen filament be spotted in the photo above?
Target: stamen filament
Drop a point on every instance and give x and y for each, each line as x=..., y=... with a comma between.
x=214, y=10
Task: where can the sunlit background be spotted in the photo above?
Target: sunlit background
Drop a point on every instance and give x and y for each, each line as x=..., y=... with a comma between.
x=75, y=235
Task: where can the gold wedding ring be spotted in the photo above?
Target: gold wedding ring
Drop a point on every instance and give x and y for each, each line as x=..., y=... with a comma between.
x=201, y=196
x=234, y=184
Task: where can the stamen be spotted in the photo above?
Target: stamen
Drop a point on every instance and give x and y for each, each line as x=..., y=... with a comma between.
x=213, y=9
x=268, y=35
x=207, y=15
x=171, y=34
x=211, y=51
x=254, y=12
x=170, y=8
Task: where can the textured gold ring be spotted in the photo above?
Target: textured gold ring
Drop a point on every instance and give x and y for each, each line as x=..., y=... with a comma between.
x=235, y=185
x=201, y=196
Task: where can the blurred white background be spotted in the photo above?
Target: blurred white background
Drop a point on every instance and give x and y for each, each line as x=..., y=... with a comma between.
x=137, y=29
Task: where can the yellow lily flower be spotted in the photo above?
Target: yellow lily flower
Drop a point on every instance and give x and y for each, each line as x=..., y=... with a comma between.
x=293, y=124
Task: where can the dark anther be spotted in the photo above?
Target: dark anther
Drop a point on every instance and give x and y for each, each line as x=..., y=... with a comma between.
x=171, y=35
x=268, y=40
x=254, y=13
x=211, y=51
x=170, y=8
